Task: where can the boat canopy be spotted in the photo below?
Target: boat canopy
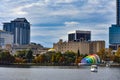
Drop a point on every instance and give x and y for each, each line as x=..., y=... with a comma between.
x=91, y=59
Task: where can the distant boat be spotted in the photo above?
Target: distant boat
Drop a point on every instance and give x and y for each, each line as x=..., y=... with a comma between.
x=82, y=64
x=94, y=68
x=108, y=65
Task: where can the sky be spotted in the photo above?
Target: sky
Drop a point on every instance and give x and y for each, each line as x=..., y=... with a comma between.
x=52, y=20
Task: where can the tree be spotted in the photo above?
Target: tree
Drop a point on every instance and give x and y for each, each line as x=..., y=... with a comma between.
x=78, y=53
x=69, y=57
x=58, y=56
x=53, y=59
x=26, y=55
x=77, y=60
x=39, y=59
x=29, y=55
x=6, y=58
x=109, y=56
x=102, y=54
x=117, y=55
x=61, y=60
x=20, y=54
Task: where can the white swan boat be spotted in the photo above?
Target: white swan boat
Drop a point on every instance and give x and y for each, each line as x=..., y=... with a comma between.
x=94, y=68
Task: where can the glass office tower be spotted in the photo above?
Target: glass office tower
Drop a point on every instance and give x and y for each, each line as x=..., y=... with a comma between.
x=20, y=28
x=118, y=12
x=114, y=30
x=114, y=34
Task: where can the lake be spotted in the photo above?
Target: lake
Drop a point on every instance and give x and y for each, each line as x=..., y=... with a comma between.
x=58, y=73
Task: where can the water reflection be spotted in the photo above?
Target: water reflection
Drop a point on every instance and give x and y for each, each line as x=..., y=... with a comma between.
x=58, y=73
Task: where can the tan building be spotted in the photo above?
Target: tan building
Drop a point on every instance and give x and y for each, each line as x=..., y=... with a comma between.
x=84, y=47
x=37, y=49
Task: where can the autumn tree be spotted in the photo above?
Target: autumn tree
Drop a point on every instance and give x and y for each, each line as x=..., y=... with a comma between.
x=69, y=57
x=6, y=57
x=20, y=53
x=39, y=59
x=24, y=55
x=117, y=55
x=102, y=54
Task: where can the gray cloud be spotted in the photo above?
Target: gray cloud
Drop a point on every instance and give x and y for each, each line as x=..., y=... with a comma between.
x=94, y=15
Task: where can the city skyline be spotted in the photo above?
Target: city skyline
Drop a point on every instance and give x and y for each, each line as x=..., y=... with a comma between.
x=52, y=20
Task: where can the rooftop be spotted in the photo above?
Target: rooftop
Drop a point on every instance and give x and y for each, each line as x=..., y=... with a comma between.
x=20, y=20
x=79, y=31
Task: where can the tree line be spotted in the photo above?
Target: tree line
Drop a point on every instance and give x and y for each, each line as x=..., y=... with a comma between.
x=109, y=55
x=54, y=58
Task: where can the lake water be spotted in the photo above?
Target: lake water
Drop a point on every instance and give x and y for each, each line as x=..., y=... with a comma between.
x=59, y=73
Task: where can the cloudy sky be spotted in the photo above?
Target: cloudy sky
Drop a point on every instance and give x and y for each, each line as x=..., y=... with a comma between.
x=52, y=20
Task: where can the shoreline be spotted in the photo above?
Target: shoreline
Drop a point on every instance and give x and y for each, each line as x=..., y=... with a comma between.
x=29, y=65
x=111, y=65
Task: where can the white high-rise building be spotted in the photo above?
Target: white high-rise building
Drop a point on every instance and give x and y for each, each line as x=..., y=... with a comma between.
x=5, y=38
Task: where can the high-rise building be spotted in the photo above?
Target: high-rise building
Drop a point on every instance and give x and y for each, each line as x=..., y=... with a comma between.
x=6, y=38
x=114, y=30
x=20, y=28
x=118, y=12
x=79, y=36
